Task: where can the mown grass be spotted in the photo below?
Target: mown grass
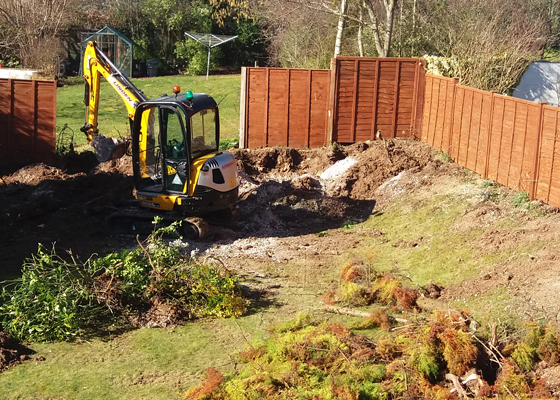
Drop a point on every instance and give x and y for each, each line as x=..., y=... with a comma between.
x=143, y=364
x=113, y=120
x=441, y=254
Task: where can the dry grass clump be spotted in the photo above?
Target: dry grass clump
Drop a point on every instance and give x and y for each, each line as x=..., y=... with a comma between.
x=359, y=287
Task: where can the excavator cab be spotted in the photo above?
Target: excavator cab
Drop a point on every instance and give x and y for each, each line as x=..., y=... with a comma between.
x=177, y=165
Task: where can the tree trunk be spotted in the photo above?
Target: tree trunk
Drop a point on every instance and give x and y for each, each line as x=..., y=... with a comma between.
x=383, y=48
x=390, y=13
x=340, y=28
x=360, y=30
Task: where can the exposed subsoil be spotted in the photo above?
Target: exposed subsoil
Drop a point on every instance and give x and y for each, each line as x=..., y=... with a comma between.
x=287, y=198
x=12, y=352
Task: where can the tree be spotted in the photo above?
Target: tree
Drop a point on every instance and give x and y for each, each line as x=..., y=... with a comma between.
x=30, y=29
x=490, y=42
x=382, y=28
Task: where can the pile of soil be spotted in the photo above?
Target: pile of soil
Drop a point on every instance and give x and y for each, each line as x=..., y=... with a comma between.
x=11, y=351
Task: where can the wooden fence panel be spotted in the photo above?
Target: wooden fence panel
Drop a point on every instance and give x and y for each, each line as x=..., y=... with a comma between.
x=495, y=136
x=376, y=95
x=287, y=107
x=28, y=120
x=436, y=126
x=319, y=108
x=549, y=160
x=278, y=107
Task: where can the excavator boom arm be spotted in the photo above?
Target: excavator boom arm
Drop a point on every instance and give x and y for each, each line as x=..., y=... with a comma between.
x=95, y=65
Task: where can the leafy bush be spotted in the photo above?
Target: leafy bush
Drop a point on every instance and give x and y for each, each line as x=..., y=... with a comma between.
x=52, y=300
x=58, y=300
x=232, y=143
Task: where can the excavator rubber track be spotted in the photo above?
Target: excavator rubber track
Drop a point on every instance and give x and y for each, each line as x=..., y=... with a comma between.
x=141, y=222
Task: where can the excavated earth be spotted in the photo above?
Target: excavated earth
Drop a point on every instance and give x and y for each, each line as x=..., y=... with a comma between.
x=287, y=198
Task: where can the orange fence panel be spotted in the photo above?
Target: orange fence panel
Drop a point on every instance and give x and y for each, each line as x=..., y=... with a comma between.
x=284, y=107
x=28, y=121
x=376, y=95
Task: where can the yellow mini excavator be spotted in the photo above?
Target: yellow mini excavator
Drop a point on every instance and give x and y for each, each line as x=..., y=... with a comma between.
x=176, y=160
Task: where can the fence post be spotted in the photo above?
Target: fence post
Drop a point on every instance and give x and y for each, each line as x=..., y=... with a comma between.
x=537, y=162
x=487, y=152
x=332, y=103
x=243, y=110
x=450, y=135
x=266, y=101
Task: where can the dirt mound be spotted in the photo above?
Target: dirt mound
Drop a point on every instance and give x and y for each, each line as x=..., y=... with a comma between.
x=44, y=204
x=375, y=162
x=11, y=351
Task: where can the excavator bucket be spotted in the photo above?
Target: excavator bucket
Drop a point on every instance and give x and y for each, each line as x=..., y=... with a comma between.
x=108, y=148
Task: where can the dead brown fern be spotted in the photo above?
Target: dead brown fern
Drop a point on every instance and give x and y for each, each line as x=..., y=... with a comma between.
x=209, y=385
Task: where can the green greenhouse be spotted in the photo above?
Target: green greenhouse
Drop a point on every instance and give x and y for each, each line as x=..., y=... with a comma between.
x=114, y=44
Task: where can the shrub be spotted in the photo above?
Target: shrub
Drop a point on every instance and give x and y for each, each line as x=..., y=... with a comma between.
x=51, y=301
x=425, y=360
x=56, y=299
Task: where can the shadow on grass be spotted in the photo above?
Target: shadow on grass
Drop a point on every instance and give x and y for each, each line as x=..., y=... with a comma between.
x=260, y=299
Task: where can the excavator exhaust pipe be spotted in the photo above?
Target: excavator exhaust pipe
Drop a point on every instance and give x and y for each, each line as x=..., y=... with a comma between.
x=107, y=149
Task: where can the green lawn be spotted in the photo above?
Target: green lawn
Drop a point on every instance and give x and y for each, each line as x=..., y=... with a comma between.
x=113, y=121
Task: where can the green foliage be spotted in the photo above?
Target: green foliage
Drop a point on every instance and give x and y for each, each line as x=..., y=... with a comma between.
x=58, y=300
x=425, y=360
x=302, y=320
x=524, y=356
x=195, y=55
x=492, y=195
x=304, y=361
x=231, y=143
x=488, y=183
x=521, y=199
x=548, y=348
x=10, y=62
x=446, y=158
x=509, y=381
x=53, y=299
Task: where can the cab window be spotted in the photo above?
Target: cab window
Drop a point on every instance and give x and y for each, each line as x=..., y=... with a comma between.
x=174, y=141
x=203, y=132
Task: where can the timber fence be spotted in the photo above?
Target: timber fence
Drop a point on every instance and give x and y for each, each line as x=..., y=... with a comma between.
x=353, y=101
x=27, y=120
x=511, y=141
